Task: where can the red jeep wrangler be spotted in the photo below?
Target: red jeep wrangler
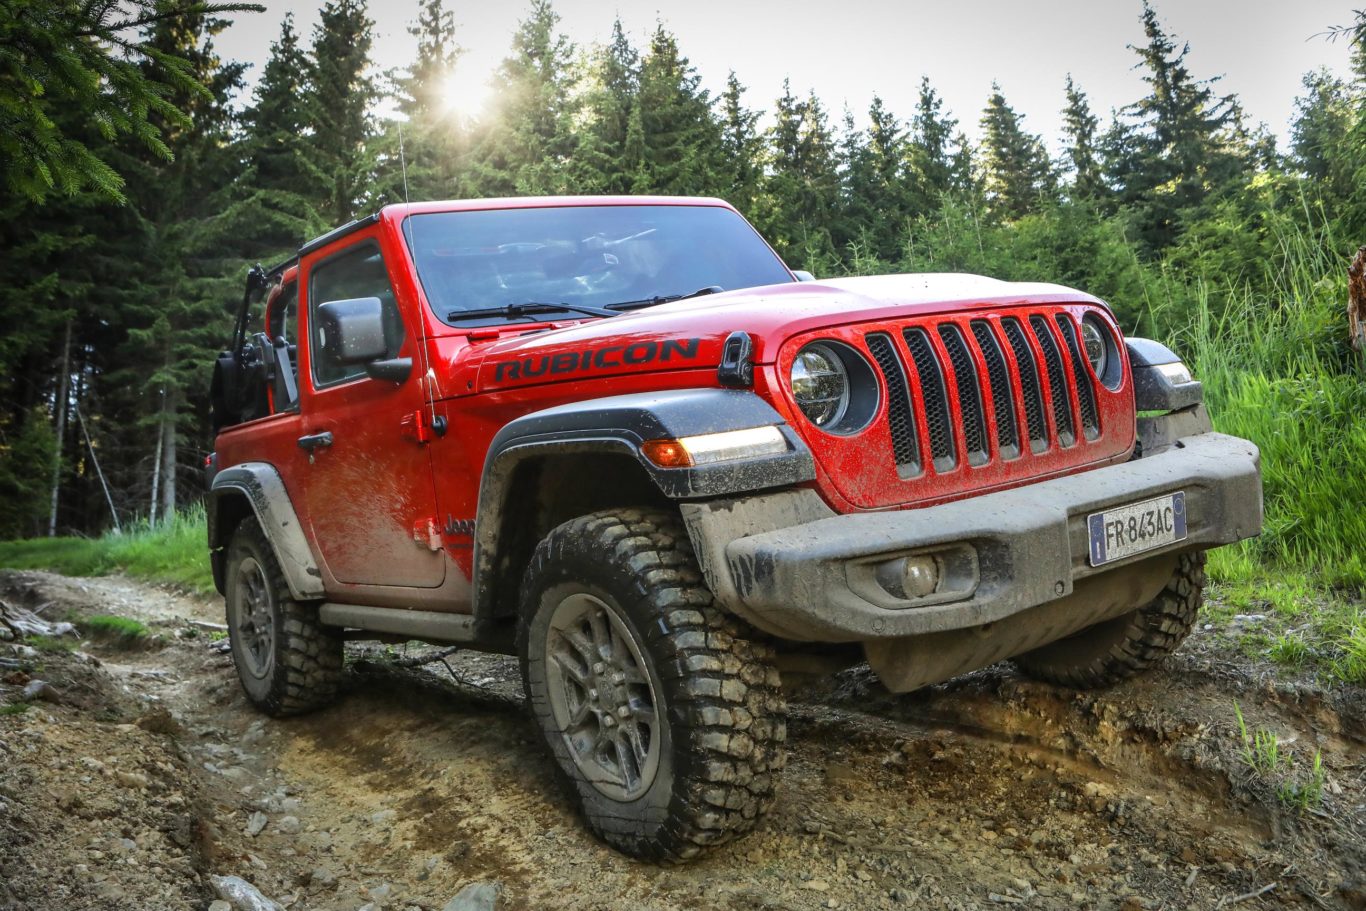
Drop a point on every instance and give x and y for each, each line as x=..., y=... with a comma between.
x=619, y=438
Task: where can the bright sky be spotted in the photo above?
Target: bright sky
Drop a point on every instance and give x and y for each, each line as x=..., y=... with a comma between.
x=850, y=50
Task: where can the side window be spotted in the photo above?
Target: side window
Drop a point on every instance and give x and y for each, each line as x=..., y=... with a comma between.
x=359, y=272
x=282, y=329
x=283, y=319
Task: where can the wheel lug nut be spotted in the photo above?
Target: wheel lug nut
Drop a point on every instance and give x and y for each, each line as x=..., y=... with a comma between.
x=599, y=668
x=608, y=720
x=623, y=713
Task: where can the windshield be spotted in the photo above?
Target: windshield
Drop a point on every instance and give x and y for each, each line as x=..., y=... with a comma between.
x=595, y=256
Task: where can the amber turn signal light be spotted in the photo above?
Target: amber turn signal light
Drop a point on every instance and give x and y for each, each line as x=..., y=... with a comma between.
x=723, y=446
x=666, y=453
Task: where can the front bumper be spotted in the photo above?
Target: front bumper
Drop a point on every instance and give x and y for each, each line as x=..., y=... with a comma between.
x=793, y=568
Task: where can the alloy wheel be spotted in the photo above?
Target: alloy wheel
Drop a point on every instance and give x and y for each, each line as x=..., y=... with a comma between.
x=602, y=696
x=254, y=618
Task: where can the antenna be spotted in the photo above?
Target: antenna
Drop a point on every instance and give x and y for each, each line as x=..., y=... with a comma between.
x=403, y=165
x=438, y=422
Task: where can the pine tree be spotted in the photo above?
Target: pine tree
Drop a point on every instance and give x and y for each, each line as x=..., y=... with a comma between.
x=52, y=270
x=46, y=275
x=278, y=121
x=1120, y=157
x=1185, y=144
x=341, y=94
x=603, y=163
x=527, y=149
x=741, y=146
x=1350, y=158
x=275, y=204
x=1356, y=34
x=801, y=193
x=1079, y=125
x=1018, y=171
x=682, y=139
x=939, y=159
x=120, y=93
x=27, y=455
x=423, y=90
x=432, y=130
x=880, y=201
x=64, y=57
x=174, y=305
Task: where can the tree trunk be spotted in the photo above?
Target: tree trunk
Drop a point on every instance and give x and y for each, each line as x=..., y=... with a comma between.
x=99, y=472
x=60, y=407
x=1356, y=301
x=168, y=459
x=156, y=474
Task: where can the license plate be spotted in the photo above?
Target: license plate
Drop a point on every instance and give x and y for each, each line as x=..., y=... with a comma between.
x=1127, y=530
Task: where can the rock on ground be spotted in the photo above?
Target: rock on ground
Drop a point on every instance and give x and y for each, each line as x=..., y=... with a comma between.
x=242, y=895
x=475, y=897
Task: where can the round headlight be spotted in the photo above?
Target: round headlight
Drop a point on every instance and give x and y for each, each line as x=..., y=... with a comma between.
x=1097, y=347
x=820, y=384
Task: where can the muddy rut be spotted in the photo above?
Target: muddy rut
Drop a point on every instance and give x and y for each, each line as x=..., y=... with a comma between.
x=142, y=772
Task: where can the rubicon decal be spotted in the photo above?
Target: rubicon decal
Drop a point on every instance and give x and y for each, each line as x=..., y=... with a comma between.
x=635, y=354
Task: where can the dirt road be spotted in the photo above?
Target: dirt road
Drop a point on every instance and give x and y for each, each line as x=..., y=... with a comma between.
x=142, y=771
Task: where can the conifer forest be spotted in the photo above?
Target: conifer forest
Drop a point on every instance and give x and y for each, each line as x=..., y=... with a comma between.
x=141, y=180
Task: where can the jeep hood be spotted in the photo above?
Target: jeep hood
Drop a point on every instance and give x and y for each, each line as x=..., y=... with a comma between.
x=690, y=334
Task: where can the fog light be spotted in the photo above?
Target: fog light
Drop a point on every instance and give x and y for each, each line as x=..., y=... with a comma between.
x=920, y=577
x=910, y=577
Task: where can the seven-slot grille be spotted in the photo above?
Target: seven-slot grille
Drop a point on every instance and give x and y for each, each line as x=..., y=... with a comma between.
x=1000, y=367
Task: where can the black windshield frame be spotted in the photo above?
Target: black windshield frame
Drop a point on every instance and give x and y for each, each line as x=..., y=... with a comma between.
x=590, y=255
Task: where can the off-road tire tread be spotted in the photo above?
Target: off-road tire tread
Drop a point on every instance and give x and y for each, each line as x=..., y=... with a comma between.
x=1152, y=632
x=308, y=655
x=728, y=716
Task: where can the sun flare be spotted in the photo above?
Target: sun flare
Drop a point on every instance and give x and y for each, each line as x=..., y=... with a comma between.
x=465, y=91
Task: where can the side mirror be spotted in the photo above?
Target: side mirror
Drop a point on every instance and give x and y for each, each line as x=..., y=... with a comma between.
x=803, y=275
x=352, y=331
x=395, y=369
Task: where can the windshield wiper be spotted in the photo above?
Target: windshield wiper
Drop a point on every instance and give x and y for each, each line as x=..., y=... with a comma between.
x=664, y=299
x=531, y=308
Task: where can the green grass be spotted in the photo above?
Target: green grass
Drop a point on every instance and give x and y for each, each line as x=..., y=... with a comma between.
x=1263, y=752
x=1278, y=370
x=15, y=708
x=1304, y=792
x=115, y=627
x=1350, y=663
x=172, y=552
x=1304, y=625
x=50, y=645
x=1261, y=748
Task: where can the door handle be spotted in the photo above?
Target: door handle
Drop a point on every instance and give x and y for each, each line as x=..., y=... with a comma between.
x=314, y=441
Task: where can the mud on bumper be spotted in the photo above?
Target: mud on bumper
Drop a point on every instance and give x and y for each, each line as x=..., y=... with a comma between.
x=793, y=568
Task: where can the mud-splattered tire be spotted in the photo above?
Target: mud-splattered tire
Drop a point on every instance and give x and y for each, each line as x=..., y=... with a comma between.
x=1128, y=645
x=287, y=661
x=617, y=621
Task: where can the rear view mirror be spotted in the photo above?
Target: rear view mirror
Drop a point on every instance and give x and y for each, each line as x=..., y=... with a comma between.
x=352, y=331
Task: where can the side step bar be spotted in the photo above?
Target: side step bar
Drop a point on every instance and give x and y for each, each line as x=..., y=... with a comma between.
x=429, y=626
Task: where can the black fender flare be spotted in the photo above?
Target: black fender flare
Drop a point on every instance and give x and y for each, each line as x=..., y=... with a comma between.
x=1153, y=391
x=260, y=484
x=618, y=425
